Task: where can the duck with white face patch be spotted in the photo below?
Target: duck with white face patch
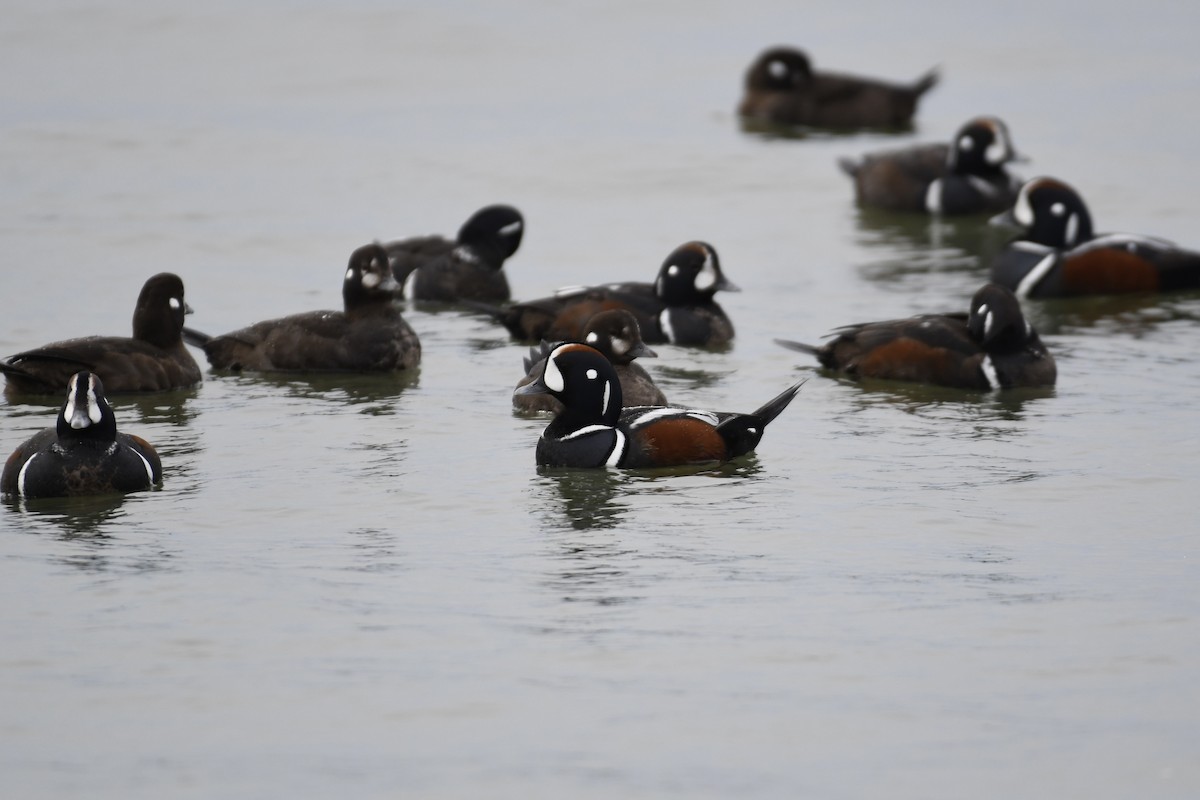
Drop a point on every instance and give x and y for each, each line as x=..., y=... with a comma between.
x=991, y=347
x=1057, y=254
x=677, y=308
x=83, y=454
x=367, y=335
x=968, y=175
x=617, y=336
x=154, y=359
x=782, y=88
x=468, y=267
x=595, y=430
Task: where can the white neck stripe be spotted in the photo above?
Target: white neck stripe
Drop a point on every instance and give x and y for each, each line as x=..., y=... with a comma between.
x=21, y=475
x=618, y=451
x=989, y=372
x=1035, y=275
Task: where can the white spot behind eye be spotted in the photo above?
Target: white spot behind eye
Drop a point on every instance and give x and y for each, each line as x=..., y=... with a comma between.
x=966, y=144
x=350, y=273
x=591, y=373
x=592, y=337
x=174, y=303
x=1058, y=209
x=510, y=228
x=778, y=69
x=673, y=270
x=1072, y=228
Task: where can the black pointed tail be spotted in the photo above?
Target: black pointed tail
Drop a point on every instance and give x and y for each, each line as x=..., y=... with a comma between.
x=926, y=82
x=798, y=346
x=743, y=432
x=195, y=338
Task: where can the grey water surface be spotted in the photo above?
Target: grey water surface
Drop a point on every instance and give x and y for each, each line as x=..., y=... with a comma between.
x=357, y=586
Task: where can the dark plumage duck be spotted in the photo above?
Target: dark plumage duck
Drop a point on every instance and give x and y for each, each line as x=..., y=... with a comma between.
x=678, y=308
x=469, y=267
x=154, y=360
x=594, y=430
x=1058, y=254
x=368, y=335
x=782, y=88
x=84, y=454
x=966, y=176
x=615, y=334
x=991, y=347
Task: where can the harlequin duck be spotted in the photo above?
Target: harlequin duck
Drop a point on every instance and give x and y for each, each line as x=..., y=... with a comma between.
x=617, y=336
x=992, y=347
x=781, y=87
x=1058, y=255
x=154, y=360
x=369, y=335
x=966, y=176
x=594, y=430
x=84, y=454
x=678, y=308
x=468, y=267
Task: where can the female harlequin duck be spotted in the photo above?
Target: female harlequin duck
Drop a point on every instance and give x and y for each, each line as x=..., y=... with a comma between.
x=84, y=454
x=992, y=347
x=678, y=308
x=369, y=335
x=966, y=176
x=782, y=88
x=617, y=336
x=595, y=431
x=154, y=360
x=469, y=267
x=1058, y=255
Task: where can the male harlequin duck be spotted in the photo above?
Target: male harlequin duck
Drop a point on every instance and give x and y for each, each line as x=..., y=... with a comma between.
x=595, y=431
x=154, y=360
x=966, y=176
x=84, y=454
x=1058, y=255
x=369, y=335
x=678, y=308
x=468, y=267
x=992, y=347
x=617, y=336
x=782, y=88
